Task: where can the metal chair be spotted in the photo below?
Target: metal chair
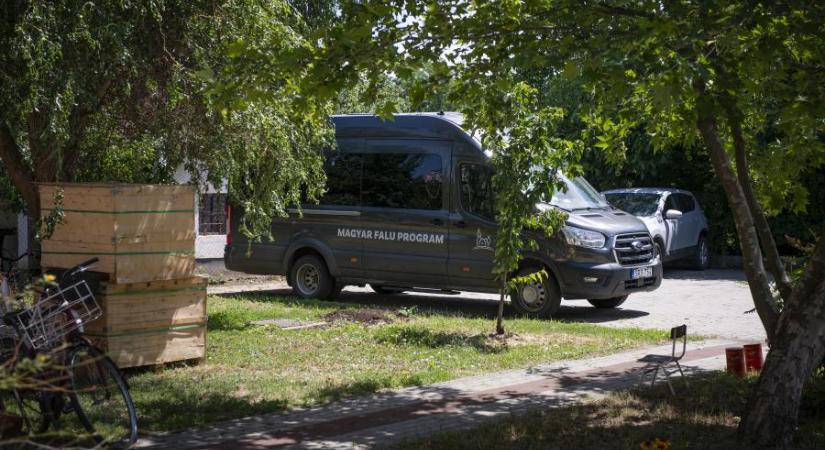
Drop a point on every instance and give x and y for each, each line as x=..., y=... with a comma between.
x=668, y=364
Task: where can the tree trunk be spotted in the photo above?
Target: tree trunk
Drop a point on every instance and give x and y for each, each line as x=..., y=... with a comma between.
x=500, y=316
x=763, y=229
x=798, y=347
x=21, y=175
x=748, y=239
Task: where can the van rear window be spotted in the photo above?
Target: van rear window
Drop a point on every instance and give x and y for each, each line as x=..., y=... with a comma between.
x=402, y=180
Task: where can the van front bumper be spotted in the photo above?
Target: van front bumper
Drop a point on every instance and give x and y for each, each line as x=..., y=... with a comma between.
x=608, y=280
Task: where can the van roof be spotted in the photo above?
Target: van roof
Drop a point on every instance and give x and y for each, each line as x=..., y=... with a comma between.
x=427, y=125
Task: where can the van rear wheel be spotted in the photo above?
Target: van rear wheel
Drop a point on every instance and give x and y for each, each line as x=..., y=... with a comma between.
x=536, y=299
x=607, y=303
x=311, y=279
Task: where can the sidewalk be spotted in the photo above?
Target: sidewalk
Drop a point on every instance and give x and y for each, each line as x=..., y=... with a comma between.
x=391, y=417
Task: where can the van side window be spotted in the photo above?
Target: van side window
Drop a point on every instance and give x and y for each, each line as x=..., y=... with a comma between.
x=343, y=179
x=476, y=190
x=402, y=180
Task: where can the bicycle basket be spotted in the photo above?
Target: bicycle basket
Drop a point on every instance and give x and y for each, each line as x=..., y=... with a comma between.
x=47, y=323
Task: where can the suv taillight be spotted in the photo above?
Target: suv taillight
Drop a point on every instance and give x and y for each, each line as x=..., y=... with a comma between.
x=228, y=224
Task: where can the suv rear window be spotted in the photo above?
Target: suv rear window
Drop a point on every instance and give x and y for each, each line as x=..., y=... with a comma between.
x=402, y=180
x=685, y=202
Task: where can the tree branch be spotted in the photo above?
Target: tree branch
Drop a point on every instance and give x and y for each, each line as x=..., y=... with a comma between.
x=763, y=229
x=18, y=170
x=758, y=283
x=78, y=121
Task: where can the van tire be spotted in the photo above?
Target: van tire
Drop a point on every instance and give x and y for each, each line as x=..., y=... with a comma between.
x=607, y=303
x=311, y=279
x=536, y=299
x=384, y=290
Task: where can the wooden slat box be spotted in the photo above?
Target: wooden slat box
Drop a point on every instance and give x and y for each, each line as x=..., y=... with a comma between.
x=152, y=323
x=146, y=348
x=139, y=232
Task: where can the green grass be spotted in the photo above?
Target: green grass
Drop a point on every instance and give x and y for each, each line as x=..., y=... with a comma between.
x=252, y=369
x=704, y=415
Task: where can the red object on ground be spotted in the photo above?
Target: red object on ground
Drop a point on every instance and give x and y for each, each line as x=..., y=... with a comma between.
x=736, y=360
x=753, y=357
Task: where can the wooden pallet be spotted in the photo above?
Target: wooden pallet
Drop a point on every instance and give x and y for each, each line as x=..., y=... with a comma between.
x=152, y=323
x=139, y=232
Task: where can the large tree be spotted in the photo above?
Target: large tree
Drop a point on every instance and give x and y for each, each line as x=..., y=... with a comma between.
x=743, y=78
x=120, y=91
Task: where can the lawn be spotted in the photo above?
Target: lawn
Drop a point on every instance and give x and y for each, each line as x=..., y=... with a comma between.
x=253, y=369
x=704, y=416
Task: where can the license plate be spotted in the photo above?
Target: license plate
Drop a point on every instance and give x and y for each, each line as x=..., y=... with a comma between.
x=641, y=272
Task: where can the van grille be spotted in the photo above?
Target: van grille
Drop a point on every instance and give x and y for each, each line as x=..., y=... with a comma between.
x=633, y=248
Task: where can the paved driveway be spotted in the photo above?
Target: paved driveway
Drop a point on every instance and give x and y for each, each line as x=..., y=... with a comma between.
x=711, y=303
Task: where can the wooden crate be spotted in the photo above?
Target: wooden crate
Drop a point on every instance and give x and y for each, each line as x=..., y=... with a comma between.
x=139, y=232
x=152, y=347
x=151, y=323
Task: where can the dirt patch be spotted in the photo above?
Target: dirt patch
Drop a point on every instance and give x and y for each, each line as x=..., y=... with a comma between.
x=515, y=339
x=362, y=316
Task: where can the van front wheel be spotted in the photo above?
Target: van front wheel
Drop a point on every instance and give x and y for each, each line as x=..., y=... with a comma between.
x=311, y=279
x=536, y=299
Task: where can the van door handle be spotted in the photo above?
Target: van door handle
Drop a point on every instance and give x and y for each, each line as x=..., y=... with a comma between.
x=438, y=222
x=460, y=224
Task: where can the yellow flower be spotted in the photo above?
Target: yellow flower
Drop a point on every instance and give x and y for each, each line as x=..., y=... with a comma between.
x=661, y=444
x=646, y=445
x=49, y=278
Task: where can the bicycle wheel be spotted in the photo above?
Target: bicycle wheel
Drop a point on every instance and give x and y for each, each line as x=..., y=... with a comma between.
x=100, y=397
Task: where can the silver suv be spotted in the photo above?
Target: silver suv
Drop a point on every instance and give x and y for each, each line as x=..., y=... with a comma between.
x=674, y=219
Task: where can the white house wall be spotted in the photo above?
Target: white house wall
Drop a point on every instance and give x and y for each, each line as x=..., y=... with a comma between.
x=206, y=246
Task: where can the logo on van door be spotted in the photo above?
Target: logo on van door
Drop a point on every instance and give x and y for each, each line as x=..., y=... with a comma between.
x=483, y=242
x=397, y=236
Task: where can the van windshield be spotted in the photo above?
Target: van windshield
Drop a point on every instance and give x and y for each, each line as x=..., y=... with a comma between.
x=578, y=195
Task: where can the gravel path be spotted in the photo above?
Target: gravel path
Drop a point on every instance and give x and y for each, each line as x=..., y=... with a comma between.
x=711, y=303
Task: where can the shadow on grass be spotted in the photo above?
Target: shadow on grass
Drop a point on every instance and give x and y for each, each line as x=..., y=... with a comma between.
x=423, y=337
x=472, y=306
x=704, y=415
x=334, y=392
x=169, y=404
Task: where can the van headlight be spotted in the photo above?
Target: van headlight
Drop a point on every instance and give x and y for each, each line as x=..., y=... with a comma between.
x=583, y=238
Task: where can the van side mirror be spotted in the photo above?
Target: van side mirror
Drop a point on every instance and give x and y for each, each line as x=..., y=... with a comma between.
x=673, y=214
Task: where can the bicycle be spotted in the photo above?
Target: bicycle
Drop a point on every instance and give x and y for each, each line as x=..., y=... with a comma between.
x=81, y=379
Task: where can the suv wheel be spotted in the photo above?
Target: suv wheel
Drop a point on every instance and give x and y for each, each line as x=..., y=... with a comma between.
x=536, y=299
x=311, y=279
x=701, y=259
x=607, y=303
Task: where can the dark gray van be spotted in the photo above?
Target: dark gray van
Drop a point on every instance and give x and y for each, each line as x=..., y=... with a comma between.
x=409, y=206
